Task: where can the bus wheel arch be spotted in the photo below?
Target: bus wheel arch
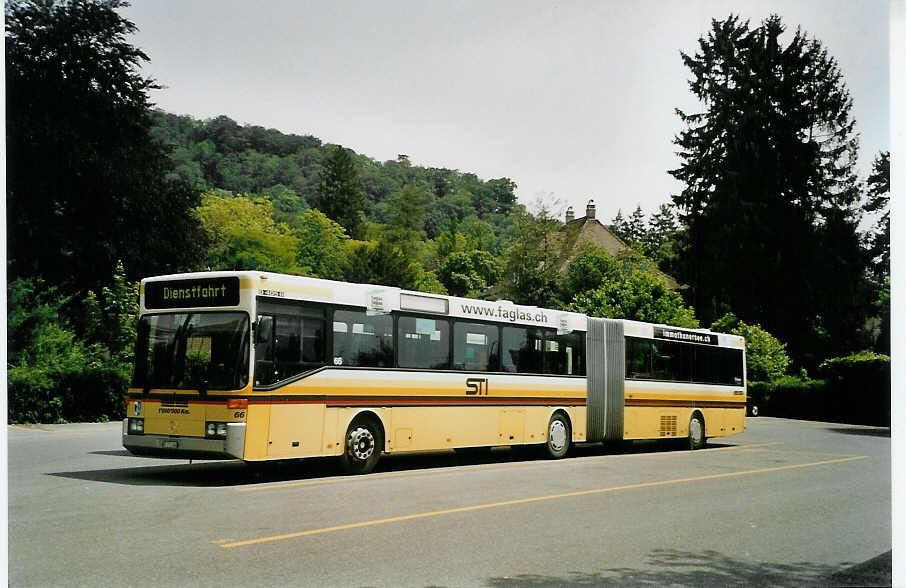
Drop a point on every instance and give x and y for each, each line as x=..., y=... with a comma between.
x=363, y=443
x=697, y=435
x=559, y=435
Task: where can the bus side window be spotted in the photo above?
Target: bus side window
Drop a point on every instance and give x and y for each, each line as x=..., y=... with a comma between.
x=475, y=347
x=290, y=340
x=521, y=350
x=360, y=340
x=638, y=358
x=565, y=354
x=423, y=342
x=264, y=350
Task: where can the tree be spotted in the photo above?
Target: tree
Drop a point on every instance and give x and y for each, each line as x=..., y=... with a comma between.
x=407, y=217
x=86, y=181
x=533, y=260
x=878, y=202
x=323, y=246
x=766, y=357
x=769, y=173
x=341, y=196
x=660, y=238
x=468, y=273
x=244, y=235
x=600, y=285
x=636, y=228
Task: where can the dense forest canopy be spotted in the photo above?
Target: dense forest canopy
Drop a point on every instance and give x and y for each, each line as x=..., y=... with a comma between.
x=290, y=170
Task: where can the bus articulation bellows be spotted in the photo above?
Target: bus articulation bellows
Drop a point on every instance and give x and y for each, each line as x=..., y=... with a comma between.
x=261, y=366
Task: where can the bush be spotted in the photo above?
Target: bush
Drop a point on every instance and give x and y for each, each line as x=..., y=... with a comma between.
x=53, y=376
x=789, y=397
x=853, y=389
x=860, y=385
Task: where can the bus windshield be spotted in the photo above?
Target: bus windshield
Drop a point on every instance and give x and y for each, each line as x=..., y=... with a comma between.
x=192, y=351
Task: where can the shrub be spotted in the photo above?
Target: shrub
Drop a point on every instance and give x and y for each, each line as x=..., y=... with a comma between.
x=790, y=397
x=853, y=389
x=860, y=386
x=53, y=376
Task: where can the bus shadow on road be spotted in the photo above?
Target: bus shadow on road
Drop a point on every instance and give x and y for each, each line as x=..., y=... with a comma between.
x=238, y=473
x=669, y=567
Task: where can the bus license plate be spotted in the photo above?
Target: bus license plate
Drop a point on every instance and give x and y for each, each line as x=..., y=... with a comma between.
x=171, y=444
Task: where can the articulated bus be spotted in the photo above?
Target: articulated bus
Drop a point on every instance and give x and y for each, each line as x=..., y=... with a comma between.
x=262, y=366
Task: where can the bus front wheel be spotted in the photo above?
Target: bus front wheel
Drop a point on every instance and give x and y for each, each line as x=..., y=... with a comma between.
x=696, y=432
x=362, y=447
x=559, y=435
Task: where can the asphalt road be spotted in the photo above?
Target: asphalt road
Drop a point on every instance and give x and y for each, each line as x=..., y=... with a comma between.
x=787, y=502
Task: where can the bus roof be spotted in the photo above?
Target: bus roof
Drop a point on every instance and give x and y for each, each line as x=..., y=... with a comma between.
x=380, y=298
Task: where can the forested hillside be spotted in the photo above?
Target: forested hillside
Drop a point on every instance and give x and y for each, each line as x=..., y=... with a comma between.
x=289, y=170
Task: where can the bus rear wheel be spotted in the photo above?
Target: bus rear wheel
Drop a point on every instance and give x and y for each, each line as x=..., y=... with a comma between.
x=696, y=432
x=559, y=435
x=362, y=447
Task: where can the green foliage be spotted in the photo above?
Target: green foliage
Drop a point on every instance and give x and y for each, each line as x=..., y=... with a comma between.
x=291, y=170
x=789, y=396
x=111, y=317
x=54, y=376
x=766, y=357
x=654, y=238
x=639, y=296
x=600, y=285
x=406, y=216
x=85, y=177
x=469, y=273
x=323, y=246
x=342, y=198
x=533, y=260
x=854, y=389
x=590, y=269
x=858, y=360
x=244, y=235
x=770, y=185
x=877, y=201
x=423, y=281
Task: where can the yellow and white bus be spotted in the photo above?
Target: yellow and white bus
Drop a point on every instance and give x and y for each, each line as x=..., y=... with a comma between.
x=261, y=366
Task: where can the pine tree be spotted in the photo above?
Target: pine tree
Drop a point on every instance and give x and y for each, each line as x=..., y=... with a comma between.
x=341, y=197
x=878, y=201
x=769, y=173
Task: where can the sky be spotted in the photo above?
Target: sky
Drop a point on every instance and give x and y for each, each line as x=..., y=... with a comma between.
x=570, y=100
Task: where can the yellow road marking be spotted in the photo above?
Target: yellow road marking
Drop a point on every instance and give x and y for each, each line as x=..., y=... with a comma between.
x=489, y=466
x=448, y=511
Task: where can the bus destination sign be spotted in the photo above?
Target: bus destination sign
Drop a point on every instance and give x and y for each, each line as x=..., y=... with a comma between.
x=192, y=293
x=685, y=336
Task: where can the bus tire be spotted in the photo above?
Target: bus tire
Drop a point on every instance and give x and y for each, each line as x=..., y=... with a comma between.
x=696, y=431
x=362, y=446
x=559, y=435
x=753, y=410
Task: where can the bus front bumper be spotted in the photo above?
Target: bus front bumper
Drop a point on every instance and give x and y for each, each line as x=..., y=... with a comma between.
x=187, y=447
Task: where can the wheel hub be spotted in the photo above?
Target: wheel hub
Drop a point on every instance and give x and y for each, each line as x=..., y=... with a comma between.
x=361, y=443
x=695, y=430
x=557, y=435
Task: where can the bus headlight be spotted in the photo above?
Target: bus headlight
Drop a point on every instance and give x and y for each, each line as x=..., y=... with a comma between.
x=215, y=430
x=136, y=426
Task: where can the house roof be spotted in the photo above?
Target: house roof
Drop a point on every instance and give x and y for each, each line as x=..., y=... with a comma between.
x=588, y=230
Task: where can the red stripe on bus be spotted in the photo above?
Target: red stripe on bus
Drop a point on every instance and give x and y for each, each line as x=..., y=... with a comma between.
x=419, y=400
x=638, y=402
